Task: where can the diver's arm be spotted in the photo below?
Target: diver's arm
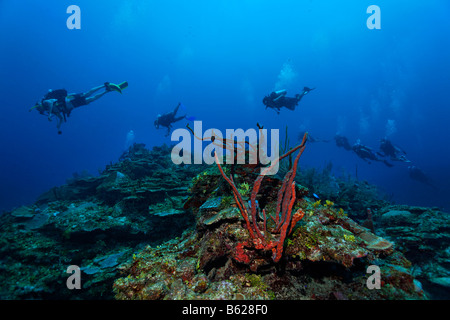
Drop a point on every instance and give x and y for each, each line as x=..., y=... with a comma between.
x=59, y=121
x=169, y=128
x=49, y=104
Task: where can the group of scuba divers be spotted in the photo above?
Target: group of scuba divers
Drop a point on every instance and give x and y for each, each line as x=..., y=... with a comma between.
x=387, y=150
x=59, y=103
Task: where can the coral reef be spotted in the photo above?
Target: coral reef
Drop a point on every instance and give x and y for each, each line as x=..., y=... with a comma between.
x=148, y=229
x=349, y=193
x=325, y=257
x=423, y=235
x=95, y=223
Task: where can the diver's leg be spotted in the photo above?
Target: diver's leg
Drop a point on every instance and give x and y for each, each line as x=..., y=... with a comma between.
x=59, y=122
x=290, y=103
x=179, y=118
x=96, y=97
x=174, y=112
x=93, y=90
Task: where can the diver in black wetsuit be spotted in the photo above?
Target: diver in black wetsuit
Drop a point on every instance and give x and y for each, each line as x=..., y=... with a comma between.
x=342, y=142
x=168, y=118
x=58, y=103
x=277, y=100
x=395, y=153
x=417, y=174
x=366, y=153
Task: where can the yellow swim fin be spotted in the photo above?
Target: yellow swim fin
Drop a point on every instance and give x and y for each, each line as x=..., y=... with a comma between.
x=123, y=85
x=32, y=108
x=116, y=87
x=112, y=87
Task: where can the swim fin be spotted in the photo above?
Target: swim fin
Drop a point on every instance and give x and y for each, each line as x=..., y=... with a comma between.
x=32, y=108
x=111, y=86
x=306, y=90
x=183, y=107
x=123, y=85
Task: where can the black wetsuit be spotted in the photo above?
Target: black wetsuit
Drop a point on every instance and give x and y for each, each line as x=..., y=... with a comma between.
x=286, y=102
x=277, y=101
x=75, y=101
x=342, y=142
x=389, y=150
x=167, y=119
x=418, y=175
x=364, y=152
x=78, y=100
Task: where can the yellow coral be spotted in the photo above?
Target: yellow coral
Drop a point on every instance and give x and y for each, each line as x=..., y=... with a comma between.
x=316, y=204
x=244, y=188
x=349, y=237
x=341, y=213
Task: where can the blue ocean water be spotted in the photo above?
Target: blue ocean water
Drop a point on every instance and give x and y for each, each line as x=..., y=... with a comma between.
x=220, y=58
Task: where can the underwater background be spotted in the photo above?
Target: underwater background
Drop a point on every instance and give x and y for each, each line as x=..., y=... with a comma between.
x=220, y=58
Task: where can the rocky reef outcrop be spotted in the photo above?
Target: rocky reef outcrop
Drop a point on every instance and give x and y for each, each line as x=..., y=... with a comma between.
x=423, y=235
x=148, y=229
x=96, y=223
x=327, y=256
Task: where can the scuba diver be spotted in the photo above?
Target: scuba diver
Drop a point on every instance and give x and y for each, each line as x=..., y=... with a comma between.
x=60, y=104
x=277, y=100
x=342, y=142
x=168, y=118
x=393, y=152
x=417, y=174
x=366, y=153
